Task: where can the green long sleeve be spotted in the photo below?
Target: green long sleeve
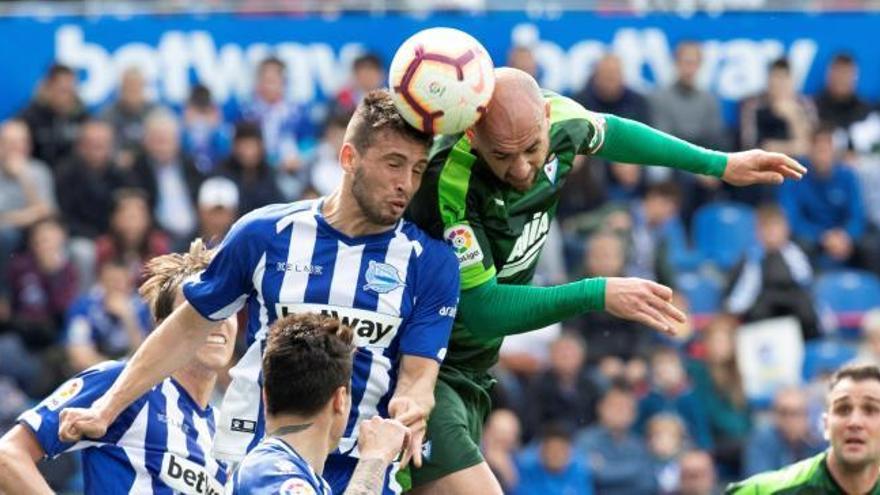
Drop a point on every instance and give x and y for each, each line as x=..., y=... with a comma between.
x=629, y=141
x=495, y=310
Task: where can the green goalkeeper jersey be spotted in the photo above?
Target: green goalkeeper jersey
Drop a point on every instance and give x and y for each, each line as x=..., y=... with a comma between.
x=807, y=477
x=497, y=231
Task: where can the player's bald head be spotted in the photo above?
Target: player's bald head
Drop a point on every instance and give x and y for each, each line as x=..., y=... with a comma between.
x=516, y=107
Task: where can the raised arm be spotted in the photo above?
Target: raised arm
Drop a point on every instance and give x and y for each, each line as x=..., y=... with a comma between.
x=165, y=351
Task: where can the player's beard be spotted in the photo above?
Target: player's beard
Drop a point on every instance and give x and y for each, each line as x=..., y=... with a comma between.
x=369, y=204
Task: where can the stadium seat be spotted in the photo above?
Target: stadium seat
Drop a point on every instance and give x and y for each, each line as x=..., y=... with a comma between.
x=723, y=230
x=847, y=295
x=703, y=294
x=825, y=356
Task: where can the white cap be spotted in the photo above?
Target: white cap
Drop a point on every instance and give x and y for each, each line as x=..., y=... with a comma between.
x=218, y=191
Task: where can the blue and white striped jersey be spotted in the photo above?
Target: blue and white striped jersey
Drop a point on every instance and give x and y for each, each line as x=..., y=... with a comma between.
x=274, y=467
x=397, y=290
x=161, y=444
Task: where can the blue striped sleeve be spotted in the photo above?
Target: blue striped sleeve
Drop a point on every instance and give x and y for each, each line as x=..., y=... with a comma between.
x=427, y=332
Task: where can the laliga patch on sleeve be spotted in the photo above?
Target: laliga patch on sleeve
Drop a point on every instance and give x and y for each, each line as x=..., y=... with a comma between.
x=464, y=242
x=63, y=394
x=296, y=486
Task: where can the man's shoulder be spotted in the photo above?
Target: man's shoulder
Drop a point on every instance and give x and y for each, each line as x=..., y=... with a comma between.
x=428, y=248
x=799, y=474
x=270, y=465
x=273, y=218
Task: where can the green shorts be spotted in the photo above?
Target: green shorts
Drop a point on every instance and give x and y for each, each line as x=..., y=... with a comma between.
x=456, y=424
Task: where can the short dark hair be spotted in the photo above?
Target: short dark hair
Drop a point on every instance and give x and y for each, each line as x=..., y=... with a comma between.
x=269, y=62
x=307, y=358
x=127, y=193
x=248, y=130
x=782, y=64
x=665, y=189
x=58, y=69
x=558, y=429
x=367, y=60
x=377, y=113
x=769, y=211
x=843, y=58
x=200, y=97
x=856, y=372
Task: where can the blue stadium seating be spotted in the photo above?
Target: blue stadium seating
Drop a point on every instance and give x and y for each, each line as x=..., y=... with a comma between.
x=825, y=356
x=723, y=231
x=847, y=295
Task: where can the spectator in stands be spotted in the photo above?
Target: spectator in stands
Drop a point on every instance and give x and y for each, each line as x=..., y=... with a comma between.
x=553, y=468
x=869, y=351
x=218, y=209
x=718, y=384
x=666, y=437
x=606, y=334
x=170, y=179
x=564, y=392
x=367, y=74
x=618, y=458
x=837, y=103
x=626, y=182
x=248, y=168
x=27, y=192
x=774, y=278
x=42, y=283
x=108, y=322
x=286, y=126
x=672, y=393
x=606, y=92
x=788, y=439
x=324, y=171
x=780, y=119
x=131, y=238
x=684, y=109
x=501, y=438
x=659, y=246
x=127, y=113
x=54, y=116
x=205, y=137
x=825, y=208
x=697, y=474
x=523, y=58
x=85, y=186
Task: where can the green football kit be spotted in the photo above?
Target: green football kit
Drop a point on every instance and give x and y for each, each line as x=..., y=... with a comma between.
x=808, y=477
x=497, y=233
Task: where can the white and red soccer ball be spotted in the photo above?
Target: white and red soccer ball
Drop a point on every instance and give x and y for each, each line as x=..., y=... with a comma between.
x=441, y=80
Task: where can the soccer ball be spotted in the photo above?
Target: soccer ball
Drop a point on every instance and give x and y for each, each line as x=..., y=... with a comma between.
x=441, y=80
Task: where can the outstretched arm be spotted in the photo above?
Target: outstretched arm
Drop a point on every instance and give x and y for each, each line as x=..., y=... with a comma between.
x=165, y=351
x=629, y=141
x=413, y=401
x=495, y=310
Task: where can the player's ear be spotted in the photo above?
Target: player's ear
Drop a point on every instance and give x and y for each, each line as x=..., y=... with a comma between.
x=341, y=401
x=469, y=132
x=547, y=109
x=347, y=156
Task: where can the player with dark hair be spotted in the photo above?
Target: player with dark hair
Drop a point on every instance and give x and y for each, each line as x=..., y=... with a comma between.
x=492, y=192
x=306, y=417
x=162, y=441
x=852, y=427
x=349, y=255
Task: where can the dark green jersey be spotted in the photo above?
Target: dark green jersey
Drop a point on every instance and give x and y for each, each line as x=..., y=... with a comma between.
x=496, y=230
x=808, y=477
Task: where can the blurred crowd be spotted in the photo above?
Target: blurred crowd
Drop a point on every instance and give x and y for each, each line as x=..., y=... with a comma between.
x=593, y=405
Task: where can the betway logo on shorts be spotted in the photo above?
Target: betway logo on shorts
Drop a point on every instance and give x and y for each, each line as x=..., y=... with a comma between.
x=528, y=245
x=371, y=329
x=185, y=476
